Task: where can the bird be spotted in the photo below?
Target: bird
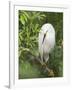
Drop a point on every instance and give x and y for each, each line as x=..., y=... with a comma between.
x=46, y=41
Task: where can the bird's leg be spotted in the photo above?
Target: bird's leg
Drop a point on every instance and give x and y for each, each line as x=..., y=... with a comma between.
x=42, y=63
x=41, y=59
x=50, y=72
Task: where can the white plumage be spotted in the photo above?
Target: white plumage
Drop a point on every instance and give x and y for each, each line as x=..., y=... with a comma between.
x=46, y=41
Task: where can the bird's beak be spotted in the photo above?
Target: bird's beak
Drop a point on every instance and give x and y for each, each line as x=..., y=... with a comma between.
x=44, y=36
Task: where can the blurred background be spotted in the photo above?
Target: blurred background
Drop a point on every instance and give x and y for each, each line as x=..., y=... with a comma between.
x=30, y=23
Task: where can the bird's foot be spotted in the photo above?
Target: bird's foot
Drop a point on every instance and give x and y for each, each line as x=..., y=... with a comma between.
x=51, y=73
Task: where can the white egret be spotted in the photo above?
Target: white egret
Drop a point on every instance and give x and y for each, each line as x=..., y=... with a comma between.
x=46, y=41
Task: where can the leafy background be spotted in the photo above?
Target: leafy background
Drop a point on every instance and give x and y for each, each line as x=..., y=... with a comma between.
x=30, y=23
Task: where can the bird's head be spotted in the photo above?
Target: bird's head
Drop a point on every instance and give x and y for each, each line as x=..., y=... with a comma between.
x=47, y=28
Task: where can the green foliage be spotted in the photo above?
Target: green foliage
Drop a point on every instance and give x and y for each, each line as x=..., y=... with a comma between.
x=30, y=23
